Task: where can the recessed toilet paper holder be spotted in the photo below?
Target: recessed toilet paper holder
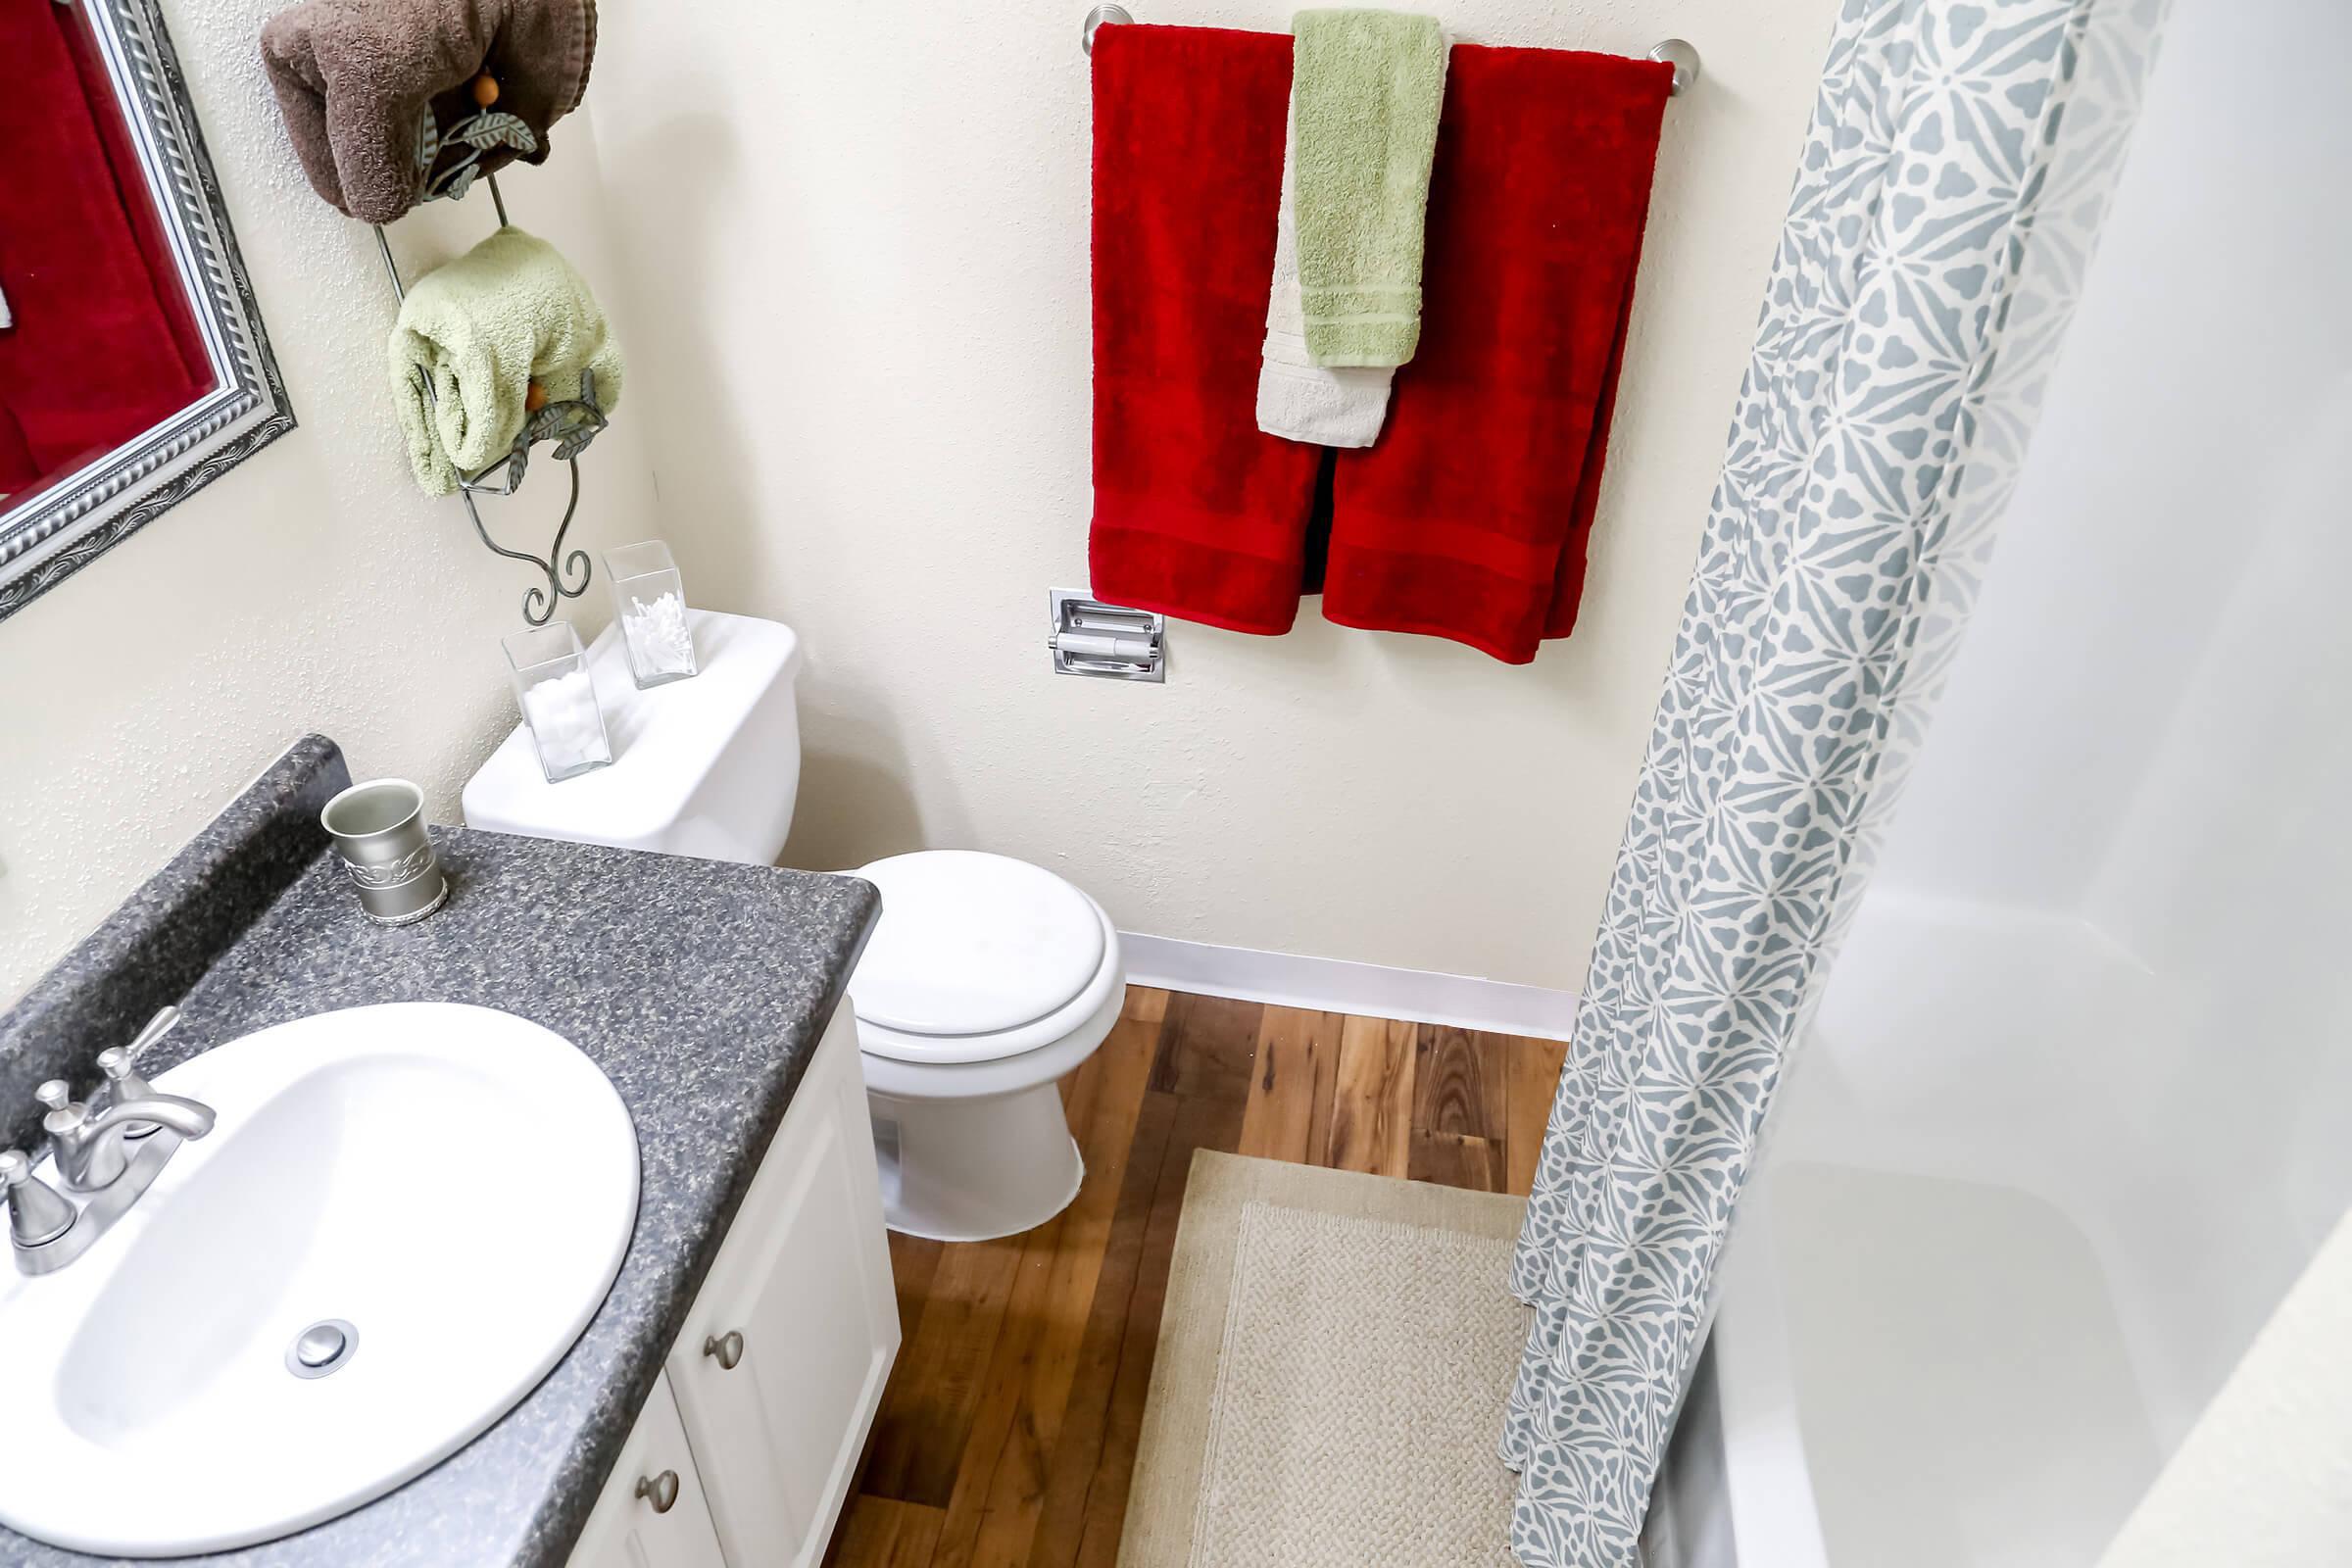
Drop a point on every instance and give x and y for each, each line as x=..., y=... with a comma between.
x=1088, y=637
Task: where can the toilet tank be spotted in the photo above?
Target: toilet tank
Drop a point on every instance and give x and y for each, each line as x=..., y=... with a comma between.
x=708, y=766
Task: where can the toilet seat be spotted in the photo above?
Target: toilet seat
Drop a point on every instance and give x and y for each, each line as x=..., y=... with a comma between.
x=986, y=982
x=978, y=957
x=996, y=1076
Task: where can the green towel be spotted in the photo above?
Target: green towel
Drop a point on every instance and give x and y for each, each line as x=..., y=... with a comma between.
x=1365, y=90
x=483, y=328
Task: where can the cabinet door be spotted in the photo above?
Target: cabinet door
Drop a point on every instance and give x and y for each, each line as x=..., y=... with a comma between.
x=627, y=1529
x=804, y=1280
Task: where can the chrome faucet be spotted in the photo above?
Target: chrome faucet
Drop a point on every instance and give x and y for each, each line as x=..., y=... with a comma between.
x=94, y=1158
x=89, y=1148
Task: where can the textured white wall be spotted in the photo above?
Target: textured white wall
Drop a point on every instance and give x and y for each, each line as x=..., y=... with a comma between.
x=310, y=588
x=855, y=239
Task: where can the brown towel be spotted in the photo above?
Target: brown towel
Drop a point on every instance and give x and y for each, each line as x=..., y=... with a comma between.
x=357, y=79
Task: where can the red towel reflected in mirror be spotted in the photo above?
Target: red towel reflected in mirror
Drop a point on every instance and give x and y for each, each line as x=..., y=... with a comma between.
x=101, y=344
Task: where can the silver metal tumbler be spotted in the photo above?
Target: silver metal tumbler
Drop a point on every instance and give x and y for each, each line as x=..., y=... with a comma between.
x=378, y=829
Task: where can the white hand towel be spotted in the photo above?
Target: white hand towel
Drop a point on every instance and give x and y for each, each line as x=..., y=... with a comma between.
x=1298, y=398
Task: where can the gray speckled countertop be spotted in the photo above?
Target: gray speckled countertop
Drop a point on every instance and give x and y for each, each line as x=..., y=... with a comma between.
x=699, y=988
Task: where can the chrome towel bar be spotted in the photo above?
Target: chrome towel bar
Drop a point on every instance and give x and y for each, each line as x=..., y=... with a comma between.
x=1676, y=52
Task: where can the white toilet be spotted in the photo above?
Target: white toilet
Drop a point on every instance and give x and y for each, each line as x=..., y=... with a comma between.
x=986, y=980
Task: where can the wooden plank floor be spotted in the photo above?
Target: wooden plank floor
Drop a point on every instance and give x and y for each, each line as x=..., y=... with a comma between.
x=1007, y=1434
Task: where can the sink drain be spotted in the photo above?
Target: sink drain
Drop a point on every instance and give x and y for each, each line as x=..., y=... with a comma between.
x=323, y=1348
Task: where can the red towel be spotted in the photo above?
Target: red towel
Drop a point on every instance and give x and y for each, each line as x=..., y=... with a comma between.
x=1469, y=518
x=1197, y=512
x=104, y=345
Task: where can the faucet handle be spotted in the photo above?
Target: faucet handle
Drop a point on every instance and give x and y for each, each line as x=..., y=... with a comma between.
x=157, y=1027
x=120, y=1065
x=65, y=1113
x=36, y=1214
x=67, y=1125
x=124, y=1084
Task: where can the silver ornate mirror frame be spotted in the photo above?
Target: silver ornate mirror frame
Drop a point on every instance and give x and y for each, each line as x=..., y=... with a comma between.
x=67, y=525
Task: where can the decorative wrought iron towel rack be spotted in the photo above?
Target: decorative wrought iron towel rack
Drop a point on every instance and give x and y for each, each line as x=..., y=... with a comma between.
x=574, y=426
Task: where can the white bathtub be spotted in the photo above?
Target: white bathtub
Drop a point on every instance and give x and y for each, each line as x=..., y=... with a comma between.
x=1882, y=1407
x=1937, y=1344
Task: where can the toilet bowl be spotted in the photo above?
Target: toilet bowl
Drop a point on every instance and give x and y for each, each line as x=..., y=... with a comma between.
x=985, y=983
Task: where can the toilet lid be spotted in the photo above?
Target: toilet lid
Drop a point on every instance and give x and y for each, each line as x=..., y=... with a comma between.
x=972, y=944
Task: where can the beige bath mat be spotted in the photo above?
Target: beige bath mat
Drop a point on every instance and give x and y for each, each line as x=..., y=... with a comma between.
x=1332, y=1364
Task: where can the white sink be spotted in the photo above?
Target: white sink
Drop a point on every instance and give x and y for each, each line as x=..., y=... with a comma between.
x=456, y=1183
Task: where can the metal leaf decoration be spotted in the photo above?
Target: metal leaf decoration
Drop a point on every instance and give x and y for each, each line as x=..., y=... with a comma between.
x=461, y=181
x=491, y=128
x=570, y=425
x=428, y=139
x=576, y=424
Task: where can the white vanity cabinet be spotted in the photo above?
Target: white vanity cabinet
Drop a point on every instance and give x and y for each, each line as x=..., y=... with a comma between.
x=651, y=1513
x=778, y=1371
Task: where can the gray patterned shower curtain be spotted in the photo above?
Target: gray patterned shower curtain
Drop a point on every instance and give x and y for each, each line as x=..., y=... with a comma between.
x=1960, y=158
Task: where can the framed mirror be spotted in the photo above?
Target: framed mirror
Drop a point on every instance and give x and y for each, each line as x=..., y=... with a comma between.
x=134, y=367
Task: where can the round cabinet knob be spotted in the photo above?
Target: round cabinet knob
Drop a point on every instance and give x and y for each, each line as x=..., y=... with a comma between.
x=661, y=1491
x=725, y=1349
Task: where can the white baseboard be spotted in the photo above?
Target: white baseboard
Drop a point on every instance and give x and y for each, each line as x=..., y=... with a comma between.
x=1337, y=985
